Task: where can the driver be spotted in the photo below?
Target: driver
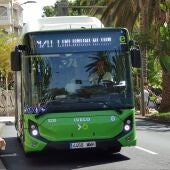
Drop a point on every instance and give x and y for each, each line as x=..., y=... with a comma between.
x=101, y=74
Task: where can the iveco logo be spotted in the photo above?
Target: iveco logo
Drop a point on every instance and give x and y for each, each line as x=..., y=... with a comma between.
x=82, y=119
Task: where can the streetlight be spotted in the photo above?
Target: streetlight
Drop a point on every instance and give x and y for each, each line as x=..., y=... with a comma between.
x=28, y=2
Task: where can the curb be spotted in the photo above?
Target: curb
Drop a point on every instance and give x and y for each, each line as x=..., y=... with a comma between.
x=154, y=119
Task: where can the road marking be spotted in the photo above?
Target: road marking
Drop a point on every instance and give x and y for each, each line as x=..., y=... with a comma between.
x=146, y=150
x=8, y=155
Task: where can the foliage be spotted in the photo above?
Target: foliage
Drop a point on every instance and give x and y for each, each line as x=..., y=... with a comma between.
x=165, y=117
x=7, y=43
x=154, y=71
x=49, y=11
x=95, y=11
x=77, y=11
x=164, y=52
x=52, y=10
x=165, y=39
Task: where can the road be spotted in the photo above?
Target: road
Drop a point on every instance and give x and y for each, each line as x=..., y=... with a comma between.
x=152, y=153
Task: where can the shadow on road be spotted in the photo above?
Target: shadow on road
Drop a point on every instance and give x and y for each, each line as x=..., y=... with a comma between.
x=146, y=125
x=13, y=158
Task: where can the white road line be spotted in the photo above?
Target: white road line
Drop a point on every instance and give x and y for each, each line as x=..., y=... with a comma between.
x=8, y=155
x=146, y=150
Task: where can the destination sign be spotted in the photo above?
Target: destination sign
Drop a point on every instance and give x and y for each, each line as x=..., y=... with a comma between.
x=76, y=41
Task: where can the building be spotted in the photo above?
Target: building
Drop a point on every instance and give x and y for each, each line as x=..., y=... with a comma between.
x=11, y=17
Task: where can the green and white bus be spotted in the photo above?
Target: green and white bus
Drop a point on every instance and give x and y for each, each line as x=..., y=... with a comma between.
x=73, y=85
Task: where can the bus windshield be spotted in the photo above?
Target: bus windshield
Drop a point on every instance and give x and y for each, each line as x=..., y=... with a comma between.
x=78, y=81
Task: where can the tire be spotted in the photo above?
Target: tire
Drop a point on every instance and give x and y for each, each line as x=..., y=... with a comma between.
x=18, y=138
x=29, y=154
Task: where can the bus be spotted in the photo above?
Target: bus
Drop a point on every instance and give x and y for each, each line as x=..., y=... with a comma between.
x=73, y=85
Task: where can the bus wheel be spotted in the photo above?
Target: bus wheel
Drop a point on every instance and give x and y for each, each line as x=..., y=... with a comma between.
x=29, y=154
x=18, y=138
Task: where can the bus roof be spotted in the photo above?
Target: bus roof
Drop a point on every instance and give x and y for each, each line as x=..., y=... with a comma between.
x=62, y=23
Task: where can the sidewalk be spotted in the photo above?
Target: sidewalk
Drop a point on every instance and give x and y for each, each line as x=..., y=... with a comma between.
x=3, y=121
x=150, y=117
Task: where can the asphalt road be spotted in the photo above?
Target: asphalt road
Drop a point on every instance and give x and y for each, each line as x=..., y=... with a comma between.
x=151, y=153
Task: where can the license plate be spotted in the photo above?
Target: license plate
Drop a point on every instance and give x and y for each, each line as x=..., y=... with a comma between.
x=77, y=145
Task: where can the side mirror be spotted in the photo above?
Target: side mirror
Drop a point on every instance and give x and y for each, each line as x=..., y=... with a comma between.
x=135, y=57
x=16, y=60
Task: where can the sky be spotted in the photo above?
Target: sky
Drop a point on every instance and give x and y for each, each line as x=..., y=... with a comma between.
x=34, y=10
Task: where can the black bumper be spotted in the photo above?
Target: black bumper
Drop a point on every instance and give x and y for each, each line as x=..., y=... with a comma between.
x=102, y=144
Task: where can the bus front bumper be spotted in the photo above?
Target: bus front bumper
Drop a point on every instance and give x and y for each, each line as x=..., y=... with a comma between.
x=40, y=144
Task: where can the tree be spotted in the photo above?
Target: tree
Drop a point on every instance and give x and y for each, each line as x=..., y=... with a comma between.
x=74, y=8
x=77, y=11
x=164, y=55
x=54, y=10
x=93, y=11
x=144, y=14
x=49, y=11
x=149, y=17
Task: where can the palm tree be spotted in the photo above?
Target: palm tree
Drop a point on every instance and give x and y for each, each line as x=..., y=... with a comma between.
x=121, y=13
x=164, y=54
x=95, y=11
x=125, y=14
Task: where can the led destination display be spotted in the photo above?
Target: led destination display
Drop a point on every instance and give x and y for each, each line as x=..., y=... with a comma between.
x=76, y=41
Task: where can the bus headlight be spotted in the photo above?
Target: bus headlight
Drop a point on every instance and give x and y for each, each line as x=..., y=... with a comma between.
x=33, y=129
x=34, y=132
x=128, y=123
x=126, y=127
